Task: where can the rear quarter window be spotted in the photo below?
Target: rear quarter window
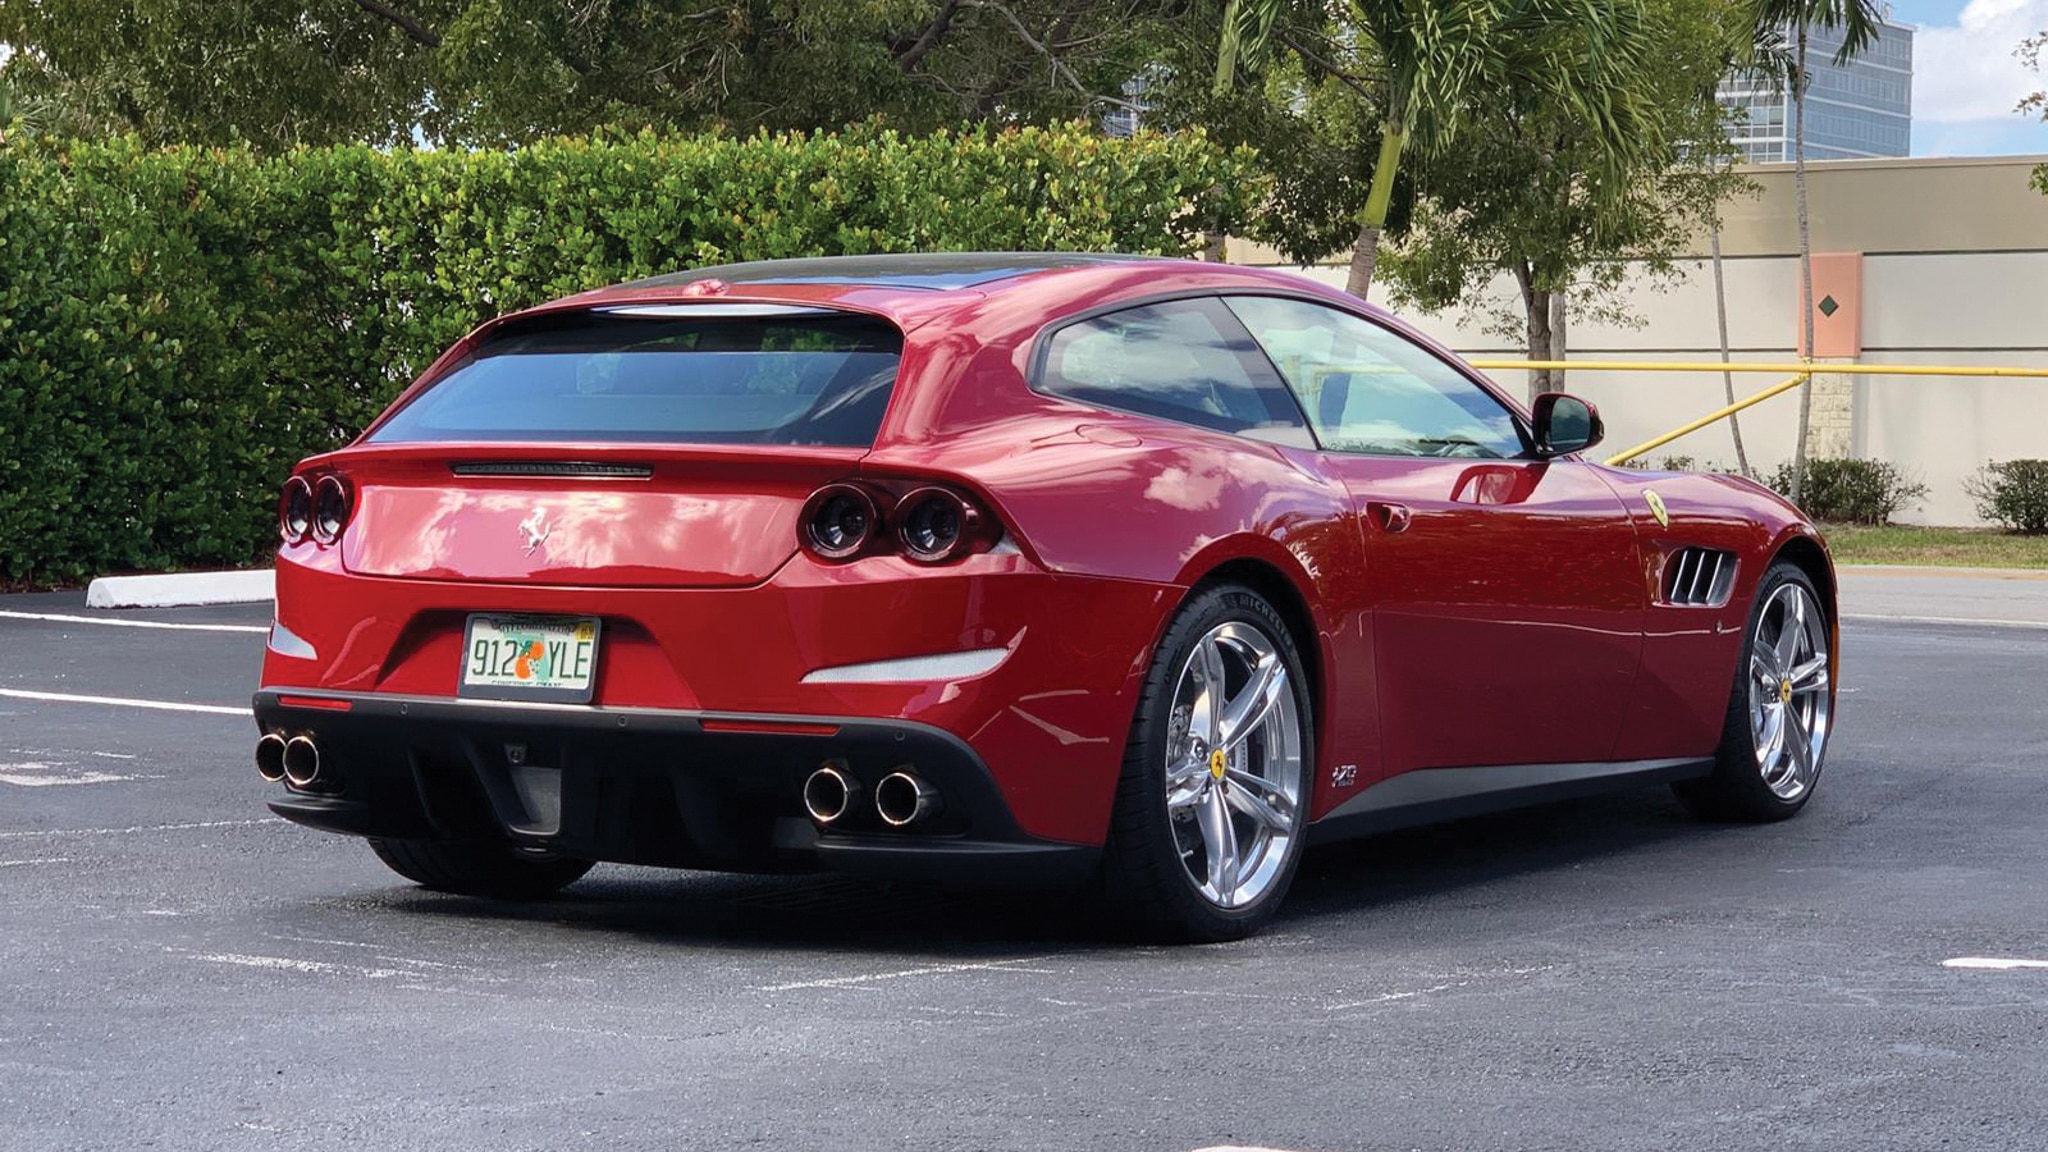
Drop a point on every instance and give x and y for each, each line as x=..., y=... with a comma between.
x=1188, y=361
x=789, y=380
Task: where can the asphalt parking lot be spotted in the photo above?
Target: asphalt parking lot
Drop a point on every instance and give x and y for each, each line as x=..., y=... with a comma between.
x=178, y=970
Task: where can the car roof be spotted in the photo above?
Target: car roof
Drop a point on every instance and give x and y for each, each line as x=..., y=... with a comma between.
x=912, y=289
x=933, y=271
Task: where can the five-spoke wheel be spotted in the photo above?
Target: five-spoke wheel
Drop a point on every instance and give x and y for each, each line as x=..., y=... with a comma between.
x=1790, y=702
x=1213, y=800
x=1780, y=711
x=1233, y=764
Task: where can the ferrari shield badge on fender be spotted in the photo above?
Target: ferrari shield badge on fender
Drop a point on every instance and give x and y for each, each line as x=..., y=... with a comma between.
x=1657, y=508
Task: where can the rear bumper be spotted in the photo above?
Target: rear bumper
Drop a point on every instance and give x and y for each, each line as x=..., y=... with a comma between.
x=650, y=786
x=1049, y=721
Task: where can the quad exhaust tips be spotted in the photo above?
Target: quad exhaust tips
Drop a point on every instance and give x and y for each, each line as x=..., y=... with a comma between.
x=902, y=799
x=832, y=793
x=301, y=761
x=829, y=793
x=270, y=757
x=294, y=760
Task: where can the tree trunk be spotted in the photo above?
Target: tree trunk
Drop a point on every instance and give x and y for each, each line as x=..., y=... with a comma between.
x=1805, y=262
x=1215, y=247
x=1559, y=305
x=1365, y=252
x=1536, y=311
x=1365, y=256
x=1539, y=342
x=1727, y=378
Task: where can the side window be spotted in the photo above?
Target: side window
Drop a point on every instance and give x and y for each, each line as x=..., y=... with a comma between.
x=1369, y=390
x=1189, y=361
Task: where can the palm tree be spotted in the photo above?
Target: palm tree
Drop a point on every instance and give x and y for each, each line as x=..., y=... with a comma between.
x=1859, y=21
x=18, y=113
x=1432, y=58
x=1760, y=52
x=10, y=108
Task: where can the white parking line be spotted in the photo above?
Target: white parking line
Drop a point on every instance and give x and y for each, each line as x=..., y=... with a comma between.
x=45, y=773
x=933, y=970
x=291, y=964
x=57, y=618
x=1992, y=963
x=1964, y=621
x=40, y=860
x=139, y=828
x=122, y=702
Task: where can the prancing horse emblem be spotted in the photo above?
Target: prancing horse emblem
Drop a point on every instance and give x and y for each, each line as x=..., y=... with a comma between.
x=534, y=530
x=1657, y=508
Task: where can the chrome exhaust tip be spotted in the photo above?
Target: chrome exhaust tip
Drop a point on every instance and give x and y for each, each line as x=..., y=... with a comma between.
x=270, y=757
x=301, y=761
x=903, y=799
x=829, y=793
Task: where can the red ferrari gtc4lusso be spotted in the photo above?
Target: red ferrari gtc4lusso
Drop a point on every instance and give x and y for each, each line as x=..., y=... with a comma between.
x=970, y=567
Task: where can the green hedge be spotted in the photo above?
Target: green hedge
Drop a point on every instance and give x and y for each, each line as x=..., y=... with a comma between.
x=178, y=327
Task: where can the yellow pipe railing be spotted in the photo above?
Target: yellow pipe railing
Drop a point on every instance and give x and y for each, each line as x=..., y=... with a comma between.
x=1702, y=422
x=1796, y=366
x=1801, y=371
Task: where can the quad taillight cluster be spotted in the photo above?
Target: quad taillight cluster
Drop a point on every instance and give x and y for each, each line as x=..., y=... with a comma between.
x=316, y=509
x=927, y=523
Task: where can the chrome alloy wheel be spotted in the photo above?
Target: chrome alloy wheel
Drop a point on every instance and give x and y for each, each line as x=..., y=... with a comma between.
x=1234, y=765
x=1790, y=704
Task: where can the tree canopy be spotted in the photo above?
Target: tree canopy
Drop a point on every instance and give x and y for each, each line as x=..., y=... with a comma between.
x=2033, y=53
x=280, y=72
x=1421, y=66
x=1533, y=191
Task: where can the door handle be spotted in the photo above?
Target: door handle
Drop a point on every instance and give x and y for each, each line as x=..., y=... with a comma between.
x=1387, y=516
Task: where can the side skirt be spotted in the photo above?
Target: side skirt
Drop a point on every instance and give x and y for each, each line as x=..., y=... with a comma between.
x=1431, y=795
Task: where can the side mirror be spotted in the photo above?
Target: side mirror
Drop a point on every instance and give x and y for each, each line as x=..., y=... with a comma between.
x=1565, y=424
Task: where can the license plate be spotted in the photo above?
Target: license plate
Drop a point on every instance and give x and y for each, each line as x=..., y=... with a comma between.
x=552, y=658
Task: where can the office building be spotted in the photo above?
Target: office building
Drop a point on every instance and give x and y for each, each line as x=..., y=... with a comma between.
x=1854, y=111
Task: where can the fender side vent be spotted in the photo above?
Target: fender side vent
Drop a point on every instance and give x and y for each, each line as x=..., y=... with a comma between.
x=574, y=469
x=1698, y=578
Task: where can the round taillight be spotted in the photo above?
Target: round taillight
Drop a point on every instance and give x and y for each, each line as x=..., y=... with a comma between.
x=838, y=520
x=330, y=508
x=932, y=524
x=295, y=510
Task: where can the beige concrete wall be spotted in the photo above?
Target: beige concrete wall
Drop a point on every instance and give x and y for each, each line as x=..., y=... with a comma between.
x=1919, y=205
x=1956, y=272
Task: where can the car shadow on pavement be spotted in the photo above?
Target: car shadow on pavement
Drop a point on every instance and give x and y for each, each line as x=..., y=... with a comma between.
x=828, y=912
x=1435, y=860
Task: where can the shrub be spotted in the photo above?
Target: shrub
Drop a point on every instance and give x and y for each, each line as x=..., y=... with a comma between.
x=2013, y=493
x=178, y=327
x=1852, y=491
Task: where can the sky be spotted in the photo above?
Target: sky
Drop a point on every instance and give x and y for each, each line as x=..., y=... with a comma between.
x=1966, y=80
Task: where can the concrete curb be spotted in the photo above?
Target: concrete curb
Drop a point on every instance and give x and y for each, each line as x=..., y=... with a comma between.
x=182, y=589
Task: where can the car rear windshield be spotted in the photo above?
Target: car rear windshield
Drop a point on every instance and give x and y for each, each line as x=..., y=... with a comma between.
x=816, y=379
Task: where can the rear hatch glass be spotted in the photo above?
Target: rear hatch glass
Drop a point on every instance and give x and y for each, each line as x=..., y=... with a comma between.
x=820, y=378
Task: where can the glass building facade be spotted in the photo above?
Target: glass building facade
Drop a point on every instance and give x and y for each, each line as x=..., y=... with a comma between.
x=1853, y=111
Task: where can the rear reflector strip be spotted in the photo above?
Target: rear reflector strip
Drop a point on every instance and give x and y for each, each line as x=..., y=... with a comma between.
x=576, y=469
x=914, y=669
x=771, y=727
x=321, y=703
x=286, y=642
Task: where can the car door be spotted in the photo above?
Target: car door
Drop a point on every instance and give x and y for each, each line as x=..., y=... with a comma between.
x=1507, y=596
